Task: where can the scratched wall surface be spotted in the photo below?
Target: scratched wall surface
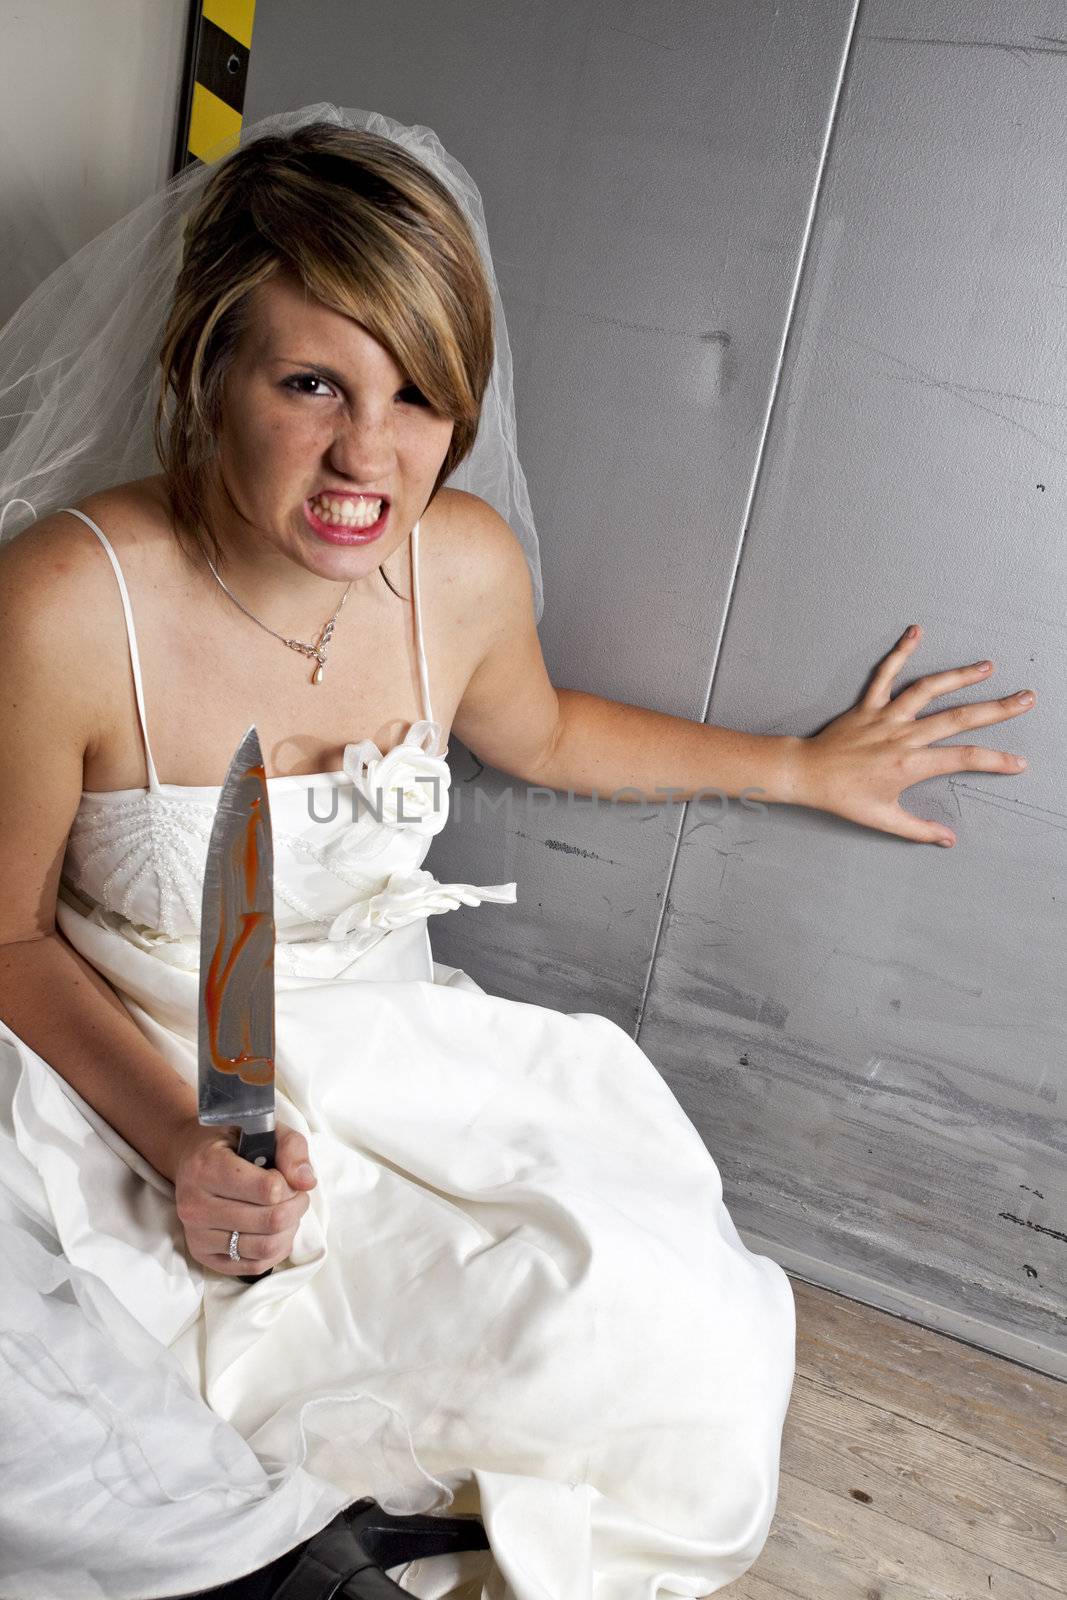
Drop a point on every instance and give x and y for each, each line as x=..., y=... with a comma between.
x=785, y=289
x=871, y=1034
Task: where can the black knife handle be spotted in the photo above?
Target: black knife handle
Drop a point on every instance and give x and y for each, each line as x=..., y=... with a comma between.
x=259, y=1149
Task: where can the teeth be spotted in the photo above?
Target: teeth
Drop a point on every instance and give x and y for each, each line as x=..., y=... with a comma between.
x=347, y=513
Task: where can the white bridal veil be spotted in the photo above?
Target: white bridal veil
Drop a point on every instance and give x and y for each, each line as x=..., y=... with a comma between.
x=79, y=370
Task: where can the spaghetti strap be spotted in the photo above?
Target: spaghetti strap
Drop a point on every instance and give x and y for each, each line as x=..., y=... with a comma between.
x=135, y=660
x=420, y=643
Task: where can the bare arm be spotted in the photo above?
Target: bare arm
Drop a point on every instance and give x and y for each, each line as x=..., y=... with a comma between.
x=615, y=749
x=855, y=767
x=59, y=612
x=512, y=717
x=61, y=1006
x=49, y=717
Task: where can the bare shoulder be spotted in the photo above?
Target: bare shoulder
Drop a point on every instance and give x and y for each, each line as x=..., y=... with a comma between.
x=58, y=553
x=56, y=665
x=477, y=556
x=43, y=570
x=58, y=595
x=507, y=709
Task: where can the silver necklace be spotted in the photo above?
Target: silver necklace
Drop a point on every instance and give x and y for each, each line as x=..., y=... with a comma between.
x=316, y=650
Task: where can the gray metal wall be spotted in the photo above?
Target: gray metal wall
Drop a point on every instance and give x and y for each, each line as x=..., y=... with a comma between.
x=785, y=286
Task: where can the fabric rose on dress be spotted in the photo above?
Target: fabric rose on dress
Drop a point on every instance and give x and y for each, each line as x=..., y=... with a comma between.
x=405, y=789
x=405, y=896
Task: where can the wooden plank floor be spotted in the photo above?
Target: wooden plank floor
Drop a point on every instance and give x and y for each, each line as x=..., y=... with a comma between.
x=914, y=1467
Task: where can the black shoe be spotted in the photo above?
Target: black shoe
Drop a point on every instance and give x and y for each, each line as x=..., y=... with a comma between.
x=347, y=1559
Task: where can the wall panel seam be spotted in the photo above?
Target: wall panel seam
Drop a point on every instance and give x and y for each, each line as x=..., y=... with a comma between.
x=803, y=254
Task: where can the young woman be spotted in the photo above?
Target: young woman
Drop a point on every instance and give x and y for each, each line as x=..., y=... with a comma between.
x=504, y=1276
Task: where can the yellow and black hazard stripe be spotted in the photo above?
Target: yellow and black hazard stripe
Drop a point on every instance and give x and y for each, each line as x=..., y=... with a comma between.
x=210, y=114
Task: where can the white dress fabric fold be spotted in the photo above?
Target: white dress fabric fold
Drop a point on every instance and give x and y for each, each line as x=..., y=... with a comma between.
x=516, y=1290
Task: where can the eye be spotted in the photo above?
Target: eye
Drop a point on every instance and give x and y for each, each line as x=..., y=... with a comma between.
x=303, y=377
x=411, y=394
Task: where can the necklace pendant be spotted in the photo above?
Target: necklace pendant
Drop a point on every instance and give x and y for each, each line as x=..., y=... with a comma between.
x=316, y=676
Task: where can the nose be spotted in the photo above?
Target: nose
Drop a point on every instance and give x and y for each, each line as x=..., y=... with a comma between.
x=363, y=448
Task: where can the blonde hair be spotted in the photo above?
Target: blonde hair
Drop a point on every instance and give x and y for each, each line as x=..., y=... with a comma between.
x=370, y=232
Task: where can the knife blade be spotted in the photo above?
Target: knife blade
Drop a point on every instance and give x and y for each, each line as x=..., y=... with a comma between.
x=235, y=1041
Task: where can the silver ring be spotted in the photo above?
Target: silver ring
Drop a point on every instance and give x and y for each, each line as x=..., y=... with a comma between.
x=233, y=1246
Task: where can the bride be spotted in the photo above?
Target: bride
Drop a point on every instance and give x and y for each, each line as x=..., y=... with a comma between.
x=504, y=1277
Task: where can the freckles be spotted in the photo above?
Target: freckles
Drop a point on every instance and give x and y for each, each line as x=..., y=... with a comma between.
x=299, y=432
x=283, y=439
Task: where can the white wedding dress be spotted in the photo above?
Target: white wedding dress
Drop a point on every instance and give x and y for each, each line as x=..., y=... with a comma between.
x=516, y=1290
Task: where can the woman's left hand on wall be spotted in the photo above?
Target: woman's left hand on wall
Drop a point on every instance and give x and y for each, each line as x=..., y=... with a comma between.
x=857, y=766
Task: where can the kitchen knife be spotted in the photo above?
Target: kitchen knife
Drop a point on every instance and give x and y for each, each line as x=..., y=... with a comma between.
x=236, y=1013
